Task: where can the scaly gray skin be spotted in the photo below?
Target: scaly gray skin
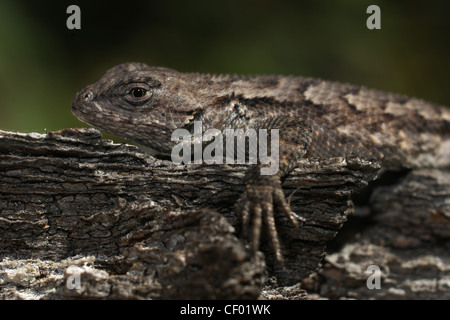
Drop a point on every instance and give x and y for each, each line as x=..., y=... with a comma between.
x=316, y=118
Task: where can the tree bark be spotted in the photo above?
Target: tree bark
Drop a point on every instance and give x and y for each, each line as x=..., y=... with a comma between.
x=406, y=236
x=82, y=217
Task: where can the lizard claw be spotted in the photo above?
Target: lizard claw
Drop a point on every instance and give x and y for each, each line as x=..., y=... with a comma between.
x=257, y=206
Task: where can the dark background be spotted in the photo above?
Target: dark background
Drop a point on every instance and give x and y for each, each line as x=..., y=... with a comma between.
x=43, y=64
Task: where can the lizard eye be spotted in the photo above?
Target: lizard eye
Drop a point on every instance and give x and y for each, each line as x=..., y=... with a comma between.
x=138, y=92
x=138, y=95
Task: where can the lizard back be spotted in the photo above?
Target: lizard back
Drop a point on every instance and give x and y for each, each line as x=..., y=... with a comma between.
x=346, y=120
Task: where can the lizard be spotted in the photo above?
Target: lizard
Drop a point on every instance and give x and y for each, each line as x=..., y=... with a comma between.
x=315, y=118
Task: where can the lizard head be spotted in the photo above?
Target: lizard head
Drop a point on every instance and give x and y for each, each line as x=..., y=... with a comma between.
x=138, y=103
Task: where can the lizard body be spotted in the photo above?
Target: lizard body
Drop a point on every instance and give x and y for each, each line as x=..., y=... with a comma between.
x=316, y=118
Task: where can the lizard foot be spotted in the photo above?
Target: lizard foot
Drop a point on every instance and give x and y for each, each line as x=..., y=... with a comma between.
x=257, y=206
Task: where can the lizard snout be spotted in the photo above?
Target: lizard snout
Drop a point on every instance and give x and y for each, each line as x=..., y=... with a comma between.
x=85, y=95
x=82, y=102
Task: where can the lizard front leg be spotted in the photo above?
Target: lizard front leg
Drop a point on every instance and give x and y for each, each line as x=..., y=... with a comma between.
x=263, y=194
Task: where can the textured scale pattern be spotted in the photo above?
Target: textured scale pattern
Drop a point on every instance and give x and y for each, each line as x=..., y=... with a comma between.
x=316, y=118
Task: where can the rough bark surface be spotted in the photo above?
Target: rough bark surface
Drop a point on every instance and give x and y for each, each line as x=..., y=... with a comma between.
x=82, y=217
x=406, y=235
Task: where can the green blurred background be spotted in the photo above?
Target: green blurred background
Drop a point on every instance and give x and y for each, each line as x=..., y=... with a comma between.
x=43, y=64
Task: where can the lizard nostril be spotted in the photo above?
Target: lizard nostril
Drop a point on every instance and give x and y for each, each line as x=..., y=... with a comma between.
x=88, y=96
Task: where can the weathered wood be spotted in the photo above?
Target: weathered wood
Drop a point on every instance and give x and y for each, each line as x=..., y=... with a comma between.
x=406, y=235
x=137, y=227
